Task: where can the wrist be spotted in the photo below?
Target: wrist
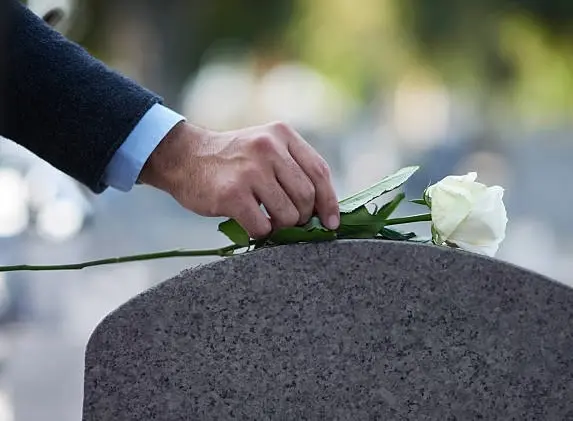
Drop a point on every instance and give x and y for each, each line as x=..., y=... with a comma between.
x=166, y=164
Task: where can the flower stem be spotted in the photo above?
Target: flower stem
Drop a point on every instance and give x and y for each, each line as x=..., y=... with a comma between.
x=426, y=217
x=222, y=252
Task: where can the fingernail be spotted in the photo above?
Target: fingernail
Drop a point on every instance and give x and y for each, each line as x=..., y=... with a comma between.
x=333, y=222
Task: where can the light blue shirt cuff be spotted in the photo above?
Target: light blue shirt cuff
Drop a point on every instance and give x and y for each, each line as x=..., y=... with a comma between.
x=125, y=166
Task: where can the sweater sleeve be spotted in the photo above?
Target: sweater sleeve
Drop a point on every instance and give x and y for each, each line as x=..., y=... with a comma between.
x=61, y=103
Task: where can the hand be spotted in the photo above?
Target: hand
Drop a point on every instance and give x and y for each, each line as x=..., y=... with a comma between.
x=232, y=173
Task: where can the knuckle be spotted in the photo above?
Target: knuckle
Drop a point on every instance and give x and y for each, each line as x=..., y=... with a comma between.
x=263, y=144
x=321, y=169
x=282, y=128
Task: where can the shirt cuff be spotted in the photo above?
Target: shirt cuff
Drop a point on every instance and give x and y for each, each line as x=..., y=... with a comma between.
x=125, y=166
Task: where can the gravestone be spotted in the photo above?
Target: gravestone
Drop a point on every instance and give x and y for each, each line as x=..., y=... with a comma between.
x=340, y=330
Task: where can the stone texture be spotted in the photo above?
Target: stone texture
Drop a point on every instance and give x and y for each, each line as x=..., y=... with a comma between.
x=343, y=330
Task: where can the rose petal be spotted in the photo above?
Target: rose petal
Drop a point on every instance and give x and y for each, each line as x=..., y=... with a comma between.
x=470, y=177
x=450, y=206
x=485, y=225
x=487, y=250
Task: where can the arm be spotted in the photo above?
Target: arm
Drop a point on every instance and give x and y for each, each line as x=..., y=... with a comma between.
x=99, y=127
x=61, y=103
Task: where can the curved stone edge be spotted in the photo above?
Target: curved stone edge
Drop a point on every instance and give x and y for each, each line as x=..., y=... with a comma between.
x=381, y=244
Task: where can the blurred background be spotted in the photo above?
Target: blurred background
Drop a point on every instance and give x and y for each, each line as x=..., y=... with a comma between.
x=452, y=85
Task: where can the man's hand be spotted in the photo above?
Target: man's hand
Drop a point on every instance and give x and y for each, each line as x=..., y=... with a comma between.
x=231, y=173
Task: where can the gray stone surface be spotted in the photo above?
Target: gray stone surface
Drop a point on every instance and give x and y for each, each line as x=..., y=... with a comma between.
x=345, y=330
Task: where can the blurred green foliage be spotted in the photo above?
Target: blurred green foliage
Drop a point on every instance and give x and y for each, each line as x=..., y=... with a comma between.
x=517, y=50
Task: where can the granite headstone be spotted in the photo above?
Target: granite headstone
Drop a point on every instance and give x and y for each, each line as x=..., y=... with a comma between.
x=347, y=330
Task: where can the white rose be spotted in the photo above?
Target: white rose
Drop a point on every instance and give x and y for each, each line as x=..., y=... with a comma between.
x=467, y=214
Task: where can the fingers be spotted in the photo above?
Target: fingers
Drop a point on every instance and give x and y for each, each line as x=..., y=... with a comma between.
x=271, y=165
x=297, y=186
x=250, y=216
x=236, y=199
x=278, y=204
x=316, y=169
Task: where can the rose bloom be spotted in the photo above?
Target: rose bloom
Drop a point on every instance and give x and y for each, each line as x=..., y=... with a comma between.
x=467, y=214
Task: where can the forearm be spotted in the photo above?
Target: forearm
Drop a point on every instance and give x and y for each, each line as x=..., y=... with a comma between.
x=60, y=103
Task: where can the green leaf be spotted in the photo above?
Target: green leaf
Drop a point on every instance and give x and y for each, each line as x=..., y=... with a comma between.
x=395, y=235
x=389, y=208
x=235, y=232
x=359, y=223
x=359, y=216
x=385, y=185
x=301, y=235
x=312, y=231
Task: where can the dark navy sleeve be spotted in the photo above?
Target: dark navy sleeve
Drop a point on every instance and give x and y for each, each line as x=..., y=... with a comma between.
x=61, y=103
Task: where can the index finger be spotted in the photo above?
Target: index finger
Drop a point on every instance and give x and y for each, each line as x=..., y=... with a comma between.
x=316, y=168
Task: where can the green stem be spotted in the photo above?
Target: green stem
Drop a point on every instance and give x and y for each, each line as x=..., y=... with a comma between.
x=222, y=252
x=426, y=217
